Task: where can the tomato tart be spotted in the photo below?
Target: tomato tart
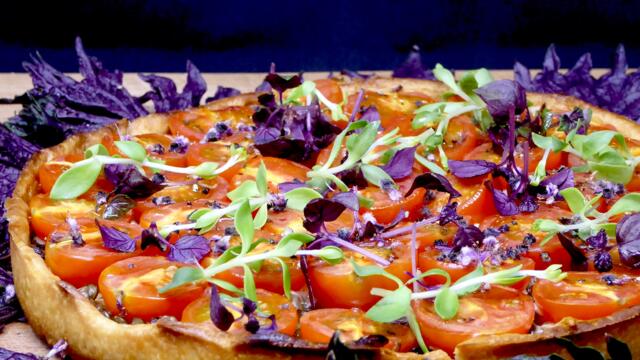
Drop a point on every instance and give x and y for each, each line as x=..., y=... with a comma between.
x=341, y=218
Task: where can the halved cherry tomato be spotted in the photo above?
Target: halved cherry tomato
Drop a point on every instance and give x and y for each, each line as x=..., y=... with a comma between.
x=135, y=284
x=339, y=286
x=584, y=296
x=195, y=123
x=474, y=203
x=215, y=189
x=461, y=138
x=170, y=214
x=500, y=310
x=278, y=170
x=49, y=172
x=520, y=225
x=484, y=151
x=48, y=215
x=157, y=145
x=554, y=159
x=82, y=265
x=319, y=325
x=330, y=89
x=269, y=303
x=215, y=152
x=385, y=209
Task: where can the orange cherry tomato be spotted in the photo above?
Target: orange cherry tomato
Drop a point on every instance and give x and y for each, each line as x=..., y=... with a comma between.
x=474, y=203
x=554, y=159
x=157, y=145
x=500, y=310
x=82, y=265
x=170, y=214
x=461, y=138
x=520, y=225
x=195, y=123
x=319, y=325
x=330, y=89
x=215, y=189
x=135, y=283
x=214, y=152
x=47, y=215
x=583, y=296
x=339, y=286
x=278, y=170
x=269, y=303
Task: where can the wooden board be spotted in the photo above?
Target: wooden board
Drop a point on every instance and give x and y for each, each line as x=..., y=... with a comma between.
x=19, y=336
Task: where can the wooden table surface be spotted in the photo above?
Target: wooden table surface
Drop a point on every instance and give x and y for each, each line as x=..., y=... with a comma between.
x=19, y=336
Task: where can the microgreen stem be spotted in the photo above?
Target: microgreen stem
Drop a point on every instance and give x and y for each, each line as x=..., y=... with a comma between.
x=409, y=228
x=345, y=244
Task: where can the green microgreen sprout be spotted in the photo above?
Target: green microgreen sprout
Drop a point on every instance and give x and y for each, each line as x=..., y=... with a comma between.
x=79, y=178
x=307, y=90
x=587, y=220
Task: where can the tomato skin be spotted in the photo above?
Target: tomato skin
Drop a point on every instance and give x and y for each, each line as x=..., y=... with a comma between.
x=195, y=123
x=461, y=138
x=139, y=279
x=319, y=325
x=500, y=310
x=474, y=203
x=47, y=215
x=268, y=302
x=330, y=89
x=338, y=285
x=170, y=214
x=278, y=170
x=583, y=296
x=82, y=265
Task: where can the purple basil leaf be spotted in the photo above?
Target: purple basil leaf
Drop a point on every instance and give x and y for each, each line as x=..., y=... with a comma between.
x=319, y=211
x=432, y=181
x=448, y=214
x=347, y=198
x=401, y=164
x=579, y=261
x=412, y=67
x=561, y=180
x=220, y=316
x=9, y=306
x=164, y=93
x=505, y=205
x=7, y=354
x=370, y=114
x=467, y=235
x=115, y=239
x=628, y=239
x=223, y=92
x=189, y=249
x=58, y=350
x=355, y=74
x=128, y=180
x=152, y=237
x=286, y=186
x=470, y=168
x=280, y=84
x=117, y=206
x=598, y=241
x=503, y=97
x=617, y=349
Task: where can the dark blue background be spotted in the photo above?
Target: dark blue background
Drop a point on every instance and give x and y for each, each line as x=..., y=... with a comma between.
x=136, y=35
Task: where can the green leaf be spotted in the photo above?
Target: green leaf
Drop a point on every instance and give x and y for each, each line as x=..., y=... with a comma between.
x=391, y=307
x=432, y=272
x=446, y=303
x=621, y=173
x=206, y=169
x=196, y=214
x=305, y=89
x=300, y=237
x=574, y=198
x=468, y=82
x=261, y=179
x=444, y=75
x=244, y=226
x=227, y=286
x=132, y=150
x=331, y=254
x=628, y=203
x=594, y=143
x=246, y=190
x=286, y=277
x=548, y=142
x=97, y=149
x=423, y=119
x=206, y=220
x=483, y=77
x=76, y=181
x=374, y=270
x=476, y=273
x=358, y=144
x=184, y=275
x=298, y=198
x=365, y=202
x=261, y=216
x=375, y=175
x=287, y=248
x=546, y=225
x=249, y=284
x=433, y=167
x=337, y=143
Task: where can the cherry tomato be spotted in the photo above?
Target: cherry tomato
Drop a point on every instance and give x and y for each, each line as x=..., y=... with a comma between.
x=385, y=209
x=135, y=283
x=48, y=215
x=461, y=138
x=554, y=159
x=49, y=172
x=82, y=265
x=278, y=170
x=339, y=286
x=520, y=225
x=268, y=304
x=330, y=89
x=584, y=296
x=474, y=203
x=170, y=214
x=500, y=310
x=213, y=152
x=483, y=151
x=319, y=325
x=195, y=123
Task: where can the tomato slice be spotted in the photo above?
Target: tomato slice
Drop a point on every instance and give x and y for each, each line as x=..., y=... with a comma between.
x=278, y=171
x=319, y=325
x=500, y=310
x=136, y=281
x=48, y=215
x=339, y=286
x=82, y=265
x=583, y=296
x=215, y=152
x=520, y=225
x=170, y=214
x=195, y=123
x=461, y=137
x=474, y=203
x=269, y=303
